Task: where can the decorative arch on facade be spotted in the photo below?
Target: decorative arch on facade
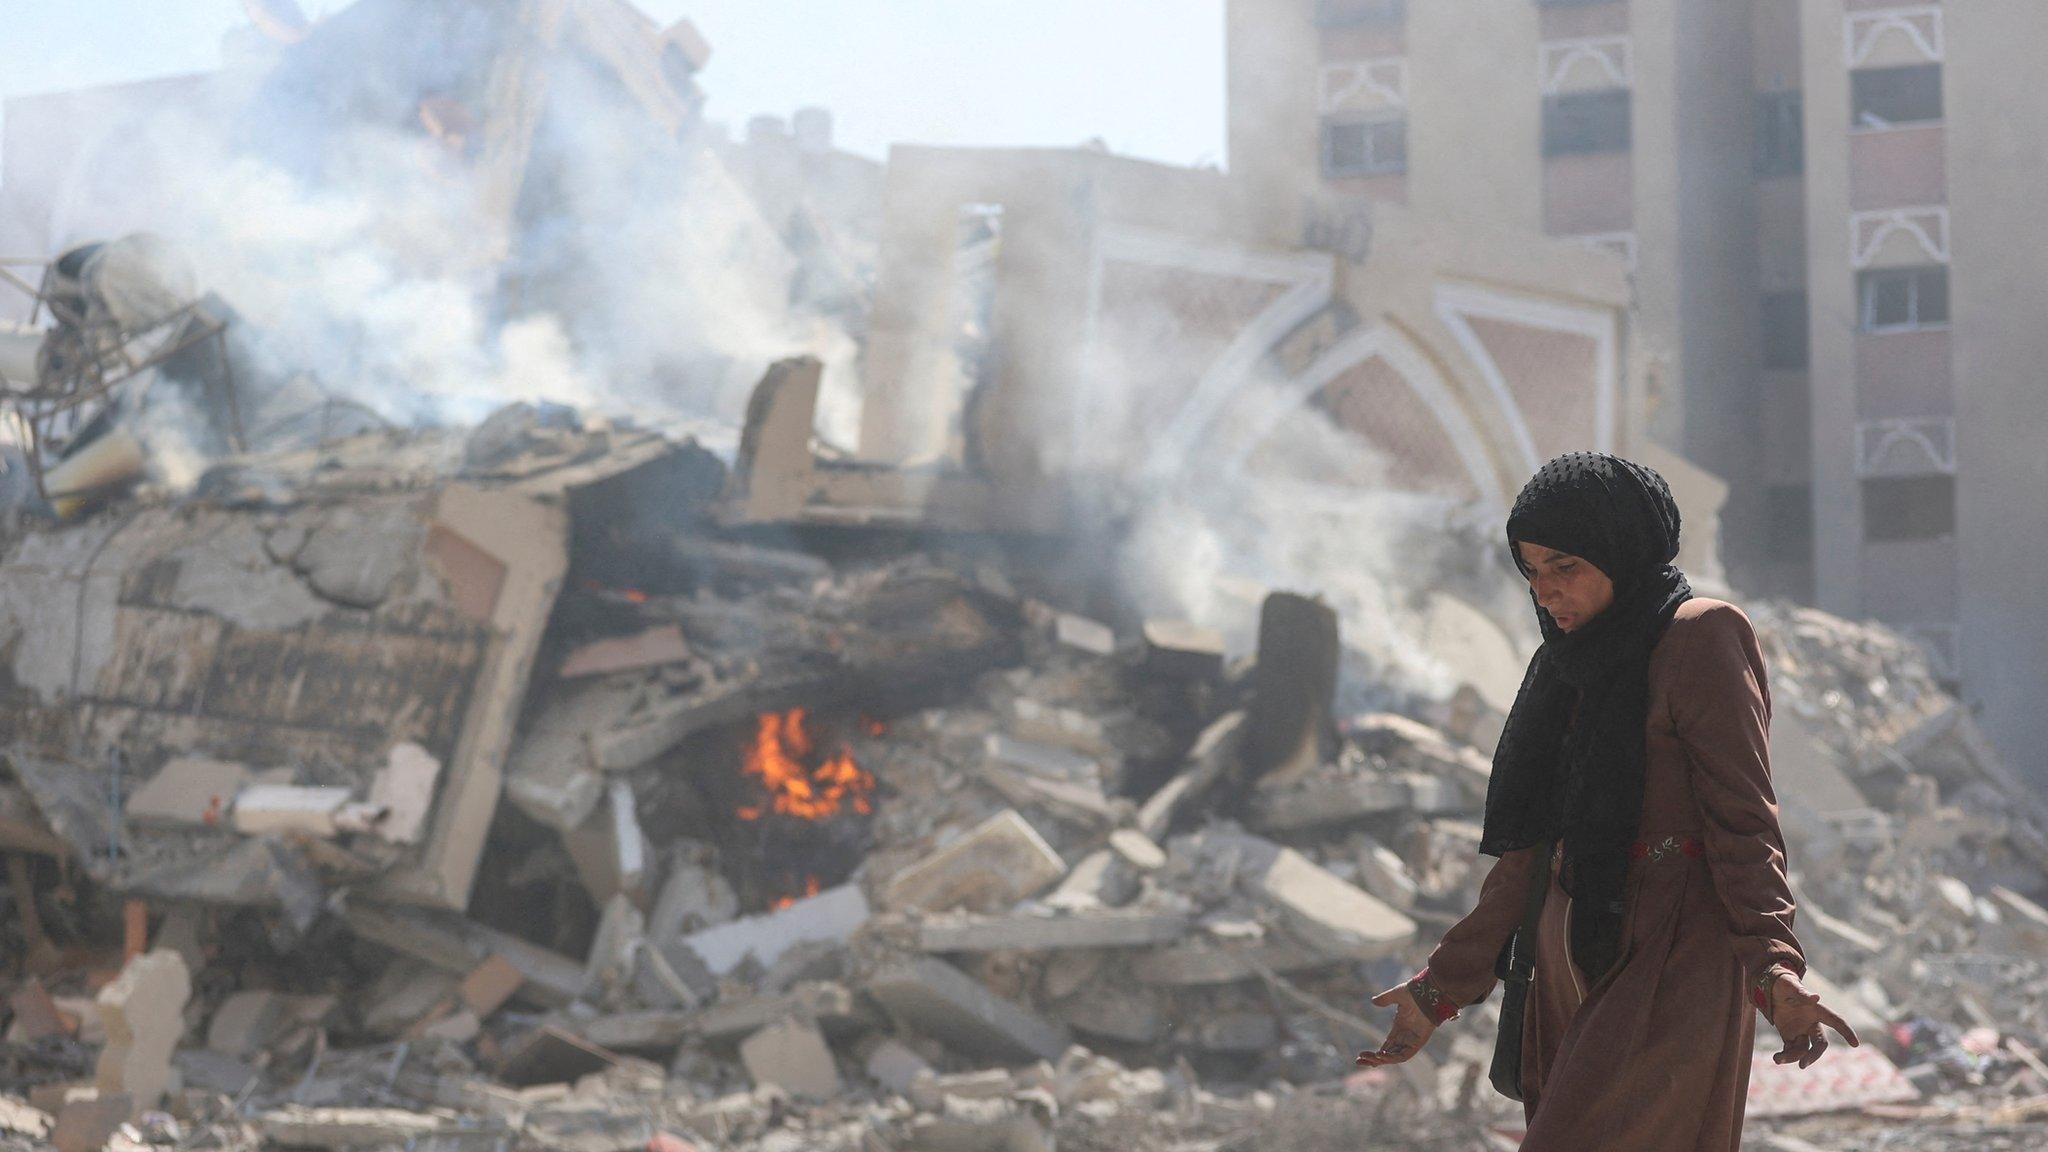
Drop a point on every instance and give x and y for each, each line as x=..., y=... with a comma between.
x=1235, y=442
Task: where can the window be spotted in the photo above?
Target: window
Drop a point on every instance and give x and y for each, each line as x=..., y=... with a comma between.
x=1882, y=97
x=1900, y=298
x=1780, y=134
x=1365, y=147
x=1788, y=522
x=1586, y=123
x=1784, y=329
x=1909, y=508
x=1343, y=13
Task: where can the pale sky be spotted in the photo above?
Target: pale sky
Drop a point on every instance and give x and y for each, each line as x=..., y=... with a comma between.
x=1146, y=76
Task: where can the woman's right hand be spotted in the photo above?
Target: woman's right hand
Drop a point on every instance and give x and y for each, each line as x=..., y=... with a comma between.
x=1412, y=1029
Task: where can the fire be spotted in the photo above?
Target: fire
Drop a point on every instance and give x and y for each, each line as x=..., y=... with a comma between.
x=778, y=758
x=810, y=889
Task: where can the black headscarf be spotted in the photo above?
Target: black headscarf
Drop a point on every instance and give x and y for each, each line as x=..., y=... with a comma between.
x=1570, y=762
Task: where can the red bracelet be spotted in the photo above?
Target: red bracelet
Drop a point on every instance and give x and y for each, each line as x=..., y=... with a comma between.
x=1431, y=999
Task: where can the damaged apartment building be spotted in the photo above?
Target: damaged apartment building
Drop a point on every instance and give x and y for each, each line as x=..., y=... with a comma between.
x=554, y=778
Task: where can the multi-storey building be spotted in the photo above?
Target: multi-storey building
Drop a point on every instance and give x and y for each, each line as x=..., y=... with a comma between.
x=1826, y=206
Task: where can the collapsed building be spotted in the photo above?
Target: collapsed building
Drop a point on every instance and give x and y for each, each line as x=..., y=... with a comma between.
x=551, y=779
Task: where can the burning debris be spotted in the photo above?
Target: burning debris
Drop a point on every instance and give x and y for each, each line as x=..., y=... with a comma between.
x=852, y=845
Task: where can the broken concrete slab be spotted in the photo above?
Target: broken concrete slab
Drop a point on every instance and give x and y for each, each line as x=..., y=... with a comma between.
x=693, y=897
x=1216, y=753
x=143, y=1012
x=1090, y=636
x=1299, y=805
x=269, y=669
x=1197, y=961
x=1183, y=650
x=936, y=999
x=457, y=946
x=339, y=1128
x=404, y=788
x=89, y=1118
x=1102, y=879
x=1062, y=727
x=188, y=791
x=489, y=985
x=1413, y=746
x=832, y=915
x=245, y=1022
x=830, y=1004
x=997, y=863
x=894, y=1066
x=648, y=649
x=1326, y=913
x=1127, y=1014
x=1137, y=850
x=1026, y=933
x=1044, y=760
x=551, y=1055
x=791, y=1055
x=289, y=810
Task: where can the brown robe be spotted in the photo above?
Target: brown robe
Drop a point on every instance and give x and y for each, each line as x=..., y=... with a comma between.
x=1655, y=1058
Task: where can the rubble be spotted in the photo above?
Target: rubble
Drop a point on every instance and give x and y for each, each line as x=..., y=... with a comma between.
x=858, y=848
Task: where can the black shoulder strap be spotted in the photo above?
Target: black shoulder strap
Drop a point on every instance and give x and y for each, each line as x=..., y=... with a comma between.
x=1523, y=962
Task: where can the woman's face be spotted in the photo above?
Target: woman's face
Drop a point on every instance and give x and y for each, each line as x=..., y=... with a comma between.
x=1570, y=589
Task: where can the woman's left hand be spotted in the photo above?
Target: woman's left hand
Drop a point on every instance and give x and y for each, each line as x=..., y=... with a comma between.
x=1798, y=1015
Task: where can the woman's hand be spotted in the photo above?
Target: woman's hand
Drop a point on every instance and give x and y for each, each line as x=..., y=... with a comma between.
x=1412, y=1029
x=1798, y=1015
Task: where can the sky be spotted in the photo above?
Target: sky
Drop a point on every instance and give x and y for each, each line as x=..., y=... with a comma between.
x=1144, y=76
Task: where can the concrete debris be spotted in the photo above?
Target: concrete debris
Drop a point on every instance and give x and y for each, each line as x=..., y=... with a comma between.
x=143, y=1012
x=189, y=790
x=934, y=998
x=1000, y=861
x=799, y=826
x=830, y=916
x=792, y=1055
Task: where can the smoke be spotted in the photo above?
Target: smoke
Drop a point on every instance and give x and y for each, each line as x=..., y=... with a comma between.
x=1315, y=509
x=631, y=274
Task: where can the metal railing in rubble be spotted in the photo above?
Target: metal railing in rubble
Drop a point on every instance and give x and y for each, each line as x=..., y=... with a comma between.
x=88, y=350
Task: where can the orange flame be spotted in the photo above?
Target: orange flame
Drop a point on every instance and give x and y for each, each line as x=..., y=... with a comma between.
x=810, y=889
x=777, y=758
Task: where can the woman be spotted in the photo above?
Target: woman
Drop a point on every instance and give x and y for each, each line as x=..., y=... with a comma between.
x=1637, y=745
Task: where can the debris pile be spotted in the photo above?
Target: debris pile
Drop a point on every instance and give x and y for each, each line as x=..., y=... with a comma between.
x=470, y=790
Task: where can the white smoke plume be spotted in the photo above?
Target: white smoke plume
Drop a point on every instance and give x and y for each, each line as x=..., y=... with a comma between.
x=641, y=281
